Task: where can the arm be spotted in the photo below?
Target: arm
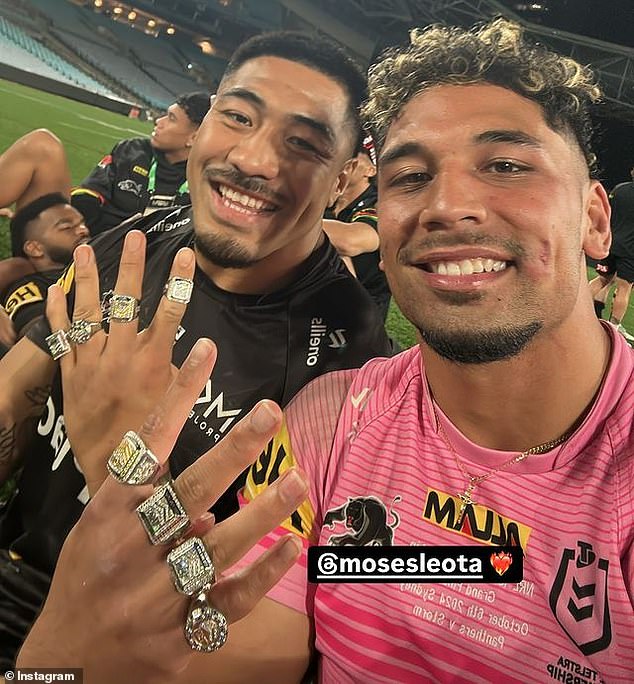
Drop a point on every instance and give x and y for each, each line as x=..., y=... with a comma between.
x=351, y=239
x=107, y=553
x=26, y=373
x=7, y=333
x=96, y=189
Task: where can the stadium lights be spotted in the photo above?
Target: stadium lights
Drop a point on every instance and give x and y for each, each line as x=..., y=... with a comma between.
x=207, y=47
x=117, y=10
x=170, y=30
x=131, y=15
x=151, y=23
x=98, y=3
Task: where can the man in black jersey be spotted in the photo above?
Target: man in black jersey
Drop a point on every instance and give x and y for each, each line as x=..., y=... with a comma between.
x=141, y=175
x=268, y=287
x=356, y=221
x=618, y=267
x=44, y=234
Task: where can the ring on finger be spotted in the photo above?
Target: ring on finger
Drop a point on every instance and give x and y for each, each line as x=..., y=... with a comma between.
x=81, y=330
x=163, y=516
x=58, y=344
x=132, y=462
x=191, y=567
x=179, y=289
x=119, y=308
x=206, y=628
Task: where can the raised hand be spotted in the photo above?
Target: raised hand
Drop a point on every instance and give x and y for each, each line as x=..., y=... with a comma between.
x=113, y=608
x=123, y=373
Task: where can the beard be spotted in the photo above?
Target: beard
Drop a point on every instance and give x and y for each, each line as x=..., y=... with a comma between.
x=59, y=255
x=484, y=346
x=222, y=251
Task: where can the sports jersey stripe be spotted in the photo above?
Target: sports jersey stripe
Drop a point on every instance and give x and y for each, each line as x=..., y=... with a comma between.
x=391, y=654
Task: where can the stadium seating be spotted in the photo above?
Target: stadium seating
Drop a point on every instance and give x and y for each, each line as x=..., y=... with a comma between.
x=21, y=50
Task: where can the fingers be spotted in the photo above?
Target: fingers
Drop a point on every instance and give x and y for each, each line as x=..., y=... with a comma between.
x=202, y=483
x=231, y=539
x=87, y=304
x=169, y=314
x=163, y=425
x=129, y=282
x=58, y=318
x=237, y=595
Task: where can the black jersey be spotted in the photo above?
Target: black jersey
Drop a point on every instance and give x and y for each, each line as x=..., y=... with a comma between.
x=133, y=179
x=269, y=346
x=24, y=299
x=363, y=208
x=622, y=221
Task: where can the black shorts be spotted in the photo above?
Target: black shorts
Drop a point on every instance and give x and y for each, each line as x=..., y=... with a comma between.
x=613, y=264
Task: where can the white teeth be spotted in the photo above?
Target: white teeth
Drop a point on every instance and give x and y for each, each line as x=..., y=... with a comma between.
x=467, y=266
x=237, y=198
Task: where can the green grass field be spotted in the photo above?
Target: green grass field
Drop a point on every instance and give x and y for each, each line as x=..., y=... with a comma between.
x=88, y=133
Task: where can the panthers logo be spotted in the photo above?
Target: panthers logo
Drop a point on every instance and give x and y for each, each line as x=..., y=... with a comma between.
x=366, y=518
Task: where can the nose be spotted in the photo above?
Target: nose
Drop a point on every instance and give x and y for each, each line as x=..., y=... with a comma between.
x=82, y=231
x=256, y=154
x=452, y=199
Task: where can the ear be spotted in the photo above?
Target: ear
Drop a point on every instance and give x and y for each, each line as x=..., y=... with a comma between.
x=190, y=140
x=598, y=236
x=33, y=249
x=343, y=179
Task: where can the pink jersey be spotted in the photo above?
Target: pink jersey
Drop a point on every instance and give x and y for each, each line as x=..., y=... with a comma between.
x=379, y=470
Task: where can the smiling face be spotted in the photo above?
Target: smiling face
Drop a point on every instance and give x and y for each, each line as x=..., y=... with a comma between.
x=484, y=213
x=264, y=161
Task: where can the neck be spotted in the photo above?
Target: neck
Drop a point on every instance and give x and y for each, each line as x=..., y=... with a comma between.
x=175, y=156
x=270, y=274
x=533, y=398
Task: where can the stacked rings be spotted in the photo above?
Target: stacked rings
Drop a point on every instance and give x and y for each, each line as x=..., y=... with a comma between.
x=60, y=342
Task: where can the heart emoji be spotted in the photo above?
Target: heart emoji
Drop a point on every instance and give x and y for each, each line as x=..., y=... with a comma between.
x=501, y=562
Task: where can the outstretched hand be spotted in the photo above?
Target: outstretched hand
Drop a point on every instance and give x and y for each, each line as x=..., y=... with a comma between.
x=112, y=608
x=111, y=381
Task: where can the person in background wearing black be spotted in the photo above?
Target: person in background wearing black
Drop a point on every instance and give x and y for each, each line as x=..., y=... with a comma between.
x=354, y=210
x=141, y=175
x=618, y=267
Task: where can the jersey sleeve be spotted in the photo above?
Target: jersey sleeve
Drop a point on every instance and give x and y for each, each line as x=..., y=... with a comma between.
x=365, y=215
x=24, y=303
x=304, y=441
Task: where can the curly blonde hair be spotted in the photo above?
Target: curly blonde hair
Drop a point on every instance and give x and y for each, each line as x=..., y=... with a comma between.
x=496, y=52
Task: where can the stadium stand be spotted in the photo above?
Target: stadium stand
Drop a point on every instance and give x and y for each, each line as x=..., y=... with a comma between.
x=21, y=50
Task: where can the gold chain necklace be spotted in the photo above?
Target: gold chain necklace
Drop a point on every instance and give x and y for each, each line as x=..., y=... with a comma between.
x=475, y=480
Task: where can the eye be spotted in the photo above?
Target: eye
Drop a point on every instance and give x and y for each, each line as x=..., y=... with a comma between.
x=506, y=166
x=412, y=179
x=238, y=118
x=303, y=144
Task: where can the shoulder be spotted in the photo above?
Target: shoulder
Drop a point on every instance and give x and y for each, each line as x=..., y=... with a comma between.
x=29, y=289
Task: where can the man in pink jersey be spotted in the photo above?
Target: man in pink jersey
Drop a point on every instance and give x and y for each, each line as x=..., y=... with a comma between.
x=510, y=423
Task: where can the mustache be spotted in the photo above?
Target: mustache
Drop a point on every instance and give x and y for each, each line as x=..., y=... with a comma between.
x=437, y=241
x=233, y=176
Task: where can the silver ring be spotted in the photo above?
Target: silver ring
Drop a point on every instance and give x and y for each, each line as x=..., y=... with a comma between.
x=132, y=462
x=58, y=344
x=206, y=628
x=191, y=566
x=119, y=308
x=163, y=515
x=81, y=331
x=179, y=289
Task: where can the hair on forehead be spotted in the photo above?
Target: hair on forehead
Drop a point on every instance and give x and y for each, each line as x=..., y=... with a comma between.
x=313, y=51
x=497, y=53
x=195, y=105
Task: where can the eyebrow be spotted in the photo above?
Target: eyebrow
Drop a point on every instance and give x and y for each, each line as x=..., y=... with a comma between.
x=507, y=136
x=411, y=148
x=318, y=126
x=406, y=149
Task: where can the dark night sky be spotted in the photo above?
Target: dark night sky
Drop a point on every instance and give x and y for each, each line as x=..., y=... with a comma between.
x=608, y=20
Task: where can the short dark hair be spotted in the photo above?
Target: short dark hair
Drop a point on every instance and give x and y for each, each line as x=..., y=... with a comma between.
x=497, y=52
x=196, y=105
x=29, y=212
x=313, y=51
